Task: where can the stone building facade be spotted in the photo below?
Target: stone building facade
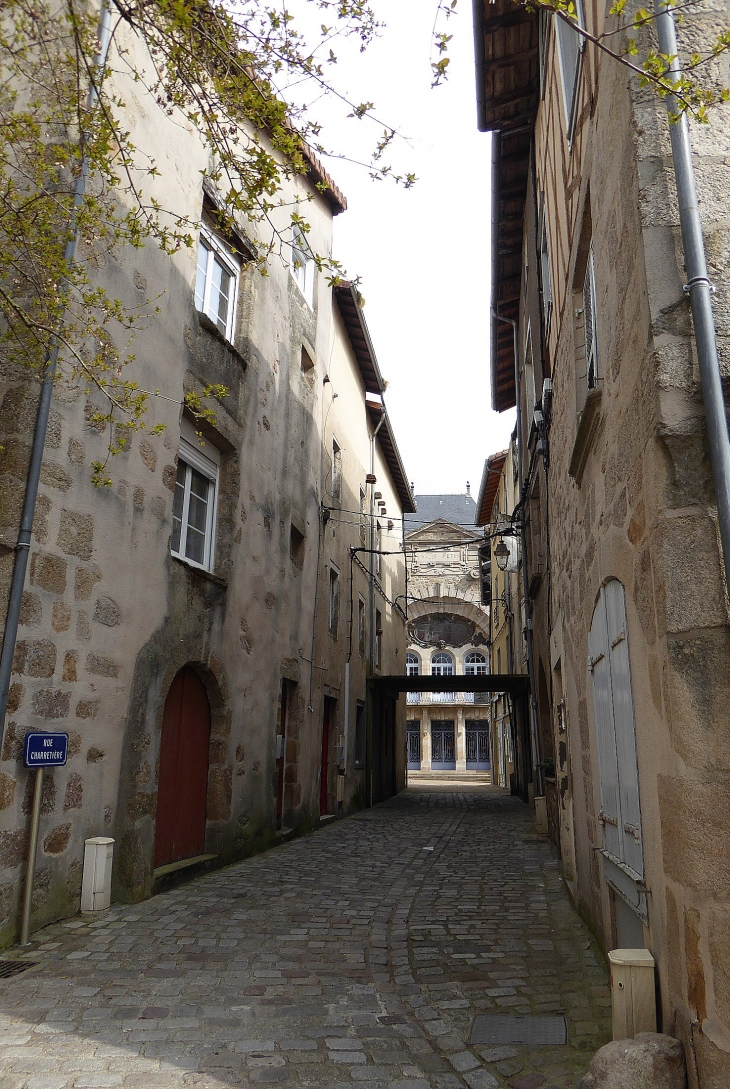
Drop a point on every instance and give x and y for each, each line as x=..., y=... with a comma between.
x=183, y=626
x=503, y=589
x=448, y=629
x=634, y=639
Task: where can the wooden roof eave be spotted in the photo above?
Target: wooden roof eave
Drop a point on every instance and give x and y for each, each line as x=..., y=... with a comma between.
x=506, y=60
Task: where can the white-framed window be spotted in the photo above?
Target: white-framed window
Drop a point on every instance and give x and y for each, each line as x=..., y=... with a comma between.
x=195, y=500
x=589, y=321
x=570, y=49
x=302, y=265
x=216, y=283
x=334, y=600
x=442, y=665
x=413, y=666
x=475, y=664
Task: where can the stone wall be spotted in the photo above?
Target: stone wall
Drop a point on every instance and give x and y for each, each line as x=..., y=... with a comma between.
x=631, y=498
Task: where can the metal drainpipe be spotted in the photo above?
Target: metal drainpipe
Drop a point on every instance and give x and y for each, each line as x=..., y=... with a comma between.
x=371, y=588
x=538, y=786
x=699, y=287
x=22, y=547
x=371, y=594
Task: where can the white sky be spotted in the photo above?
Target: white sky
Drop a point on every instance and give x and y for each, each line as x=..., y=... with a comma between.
x=423, y=254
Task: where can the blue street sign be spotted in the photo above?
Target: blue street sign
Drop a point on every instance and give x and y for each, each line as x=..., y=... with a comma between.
x=45, y=750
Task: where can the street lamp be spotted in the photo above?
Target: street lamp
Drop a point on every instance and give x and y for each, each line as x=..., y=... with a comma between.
x=501, y=555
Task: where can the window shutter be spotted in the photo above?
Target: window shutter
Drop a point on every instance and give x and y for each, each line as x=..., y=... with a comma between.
x=599, y=662
x=623, y=715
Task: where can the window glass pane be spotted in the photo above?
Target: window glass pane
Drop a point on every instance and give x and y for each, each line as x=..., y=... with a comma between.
x=203, y=253
x=178, y=501
x=200, y=493
x=219, y=295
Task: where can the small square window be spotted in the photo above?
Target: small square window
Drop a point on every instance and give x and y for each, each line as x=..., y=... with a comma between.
x=296, y=546
x=334, y=601
x=302, y=264
x=336, y=470
x=307, y=361
x=216, y=283
x=194, y=505
x=361, y=629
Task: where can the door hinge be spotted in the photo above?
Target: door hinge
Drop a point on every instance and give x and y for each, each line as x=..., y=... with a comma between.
x=604, y=819
x=633, y=831
x=615, y=642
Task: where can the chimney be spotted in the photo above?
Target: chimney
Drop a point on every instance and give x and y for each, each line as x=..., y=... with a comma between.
x=468, y=488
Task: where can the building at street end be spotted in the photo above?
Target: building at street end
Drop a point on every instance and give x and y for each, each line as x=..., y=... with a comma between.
x=448, y=633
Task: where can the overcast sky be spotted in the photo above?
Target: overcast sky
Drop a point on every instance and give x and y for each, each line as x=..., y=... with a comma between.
x=423, y=253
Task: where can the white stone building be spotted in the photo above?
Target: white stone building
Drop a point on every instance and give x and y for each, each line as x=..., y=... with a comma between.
x=448, y=630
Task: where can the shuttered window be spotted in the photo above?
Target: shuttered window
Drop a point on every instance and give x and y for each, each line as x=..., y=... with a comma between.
x=615, y=730
x=589, y=321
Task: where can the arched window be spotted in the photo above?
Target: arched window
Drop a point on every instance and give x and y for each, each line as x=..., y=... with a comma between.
x=475, y=664
x=413, y=666
x=442, y=665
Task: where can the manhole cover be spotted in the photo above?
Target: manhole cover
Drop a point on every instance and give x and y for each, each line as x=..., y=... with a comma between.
x=10, y=968
x=530, y=1031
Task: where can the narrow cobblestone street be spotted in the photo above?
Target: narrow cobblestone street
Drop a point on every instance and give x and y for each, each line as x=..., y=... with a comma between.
x=356, y=956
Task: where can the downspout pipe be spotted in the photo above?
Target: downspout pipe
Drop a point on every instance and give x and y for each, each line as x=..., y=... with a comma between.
x=371, y=596
x=699, y=287
x=538, y=786
x=22, y=547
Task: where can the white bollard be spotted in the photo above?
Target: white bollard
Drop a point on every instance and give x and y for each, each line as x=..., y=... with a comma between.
x=96, y=887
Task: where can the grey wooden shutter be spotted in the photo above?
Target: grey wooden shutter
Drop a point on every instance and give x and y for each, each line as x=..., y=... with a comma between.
x=625, y=726
x=600, y=666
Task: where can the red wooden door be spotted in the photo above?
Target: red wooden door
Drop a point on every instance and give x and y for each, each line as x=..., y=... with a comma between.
x=182, y=786
x=324, y=772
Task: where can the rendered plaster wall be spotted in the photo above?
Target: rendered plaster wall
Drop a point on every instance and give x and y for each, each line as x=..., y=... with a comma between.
x=640, y=509
x=346, y=422
x=109, y=616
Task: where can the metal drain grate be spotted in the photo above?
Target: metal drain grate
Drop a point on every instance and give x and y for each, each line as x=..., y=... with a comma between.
x=10, y=968
x=528, y=1030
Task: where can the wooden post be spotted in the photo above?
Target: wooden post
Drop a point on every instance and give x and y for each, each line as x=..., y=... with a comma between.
x=35, y=821
x=633, y=995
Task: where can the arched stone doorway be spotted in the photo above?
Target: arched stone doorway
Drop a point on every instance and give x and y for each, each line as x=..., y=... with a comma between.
x=182, y=784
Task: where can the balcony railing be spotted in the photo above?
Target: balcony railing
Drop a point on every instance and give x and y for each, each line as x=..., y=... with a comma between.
x=447, y=697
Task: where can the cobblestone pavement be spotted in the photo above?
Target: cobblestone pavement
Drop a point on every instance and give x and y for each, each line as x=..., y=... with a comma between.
x=353, y=958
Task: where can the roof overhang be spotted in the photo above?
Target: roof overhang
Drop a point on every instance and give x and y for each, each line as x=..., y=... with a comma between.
x=347, y=298
x=389, y=449
x=323, y=181
x=507, y=74
x=493, y=467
